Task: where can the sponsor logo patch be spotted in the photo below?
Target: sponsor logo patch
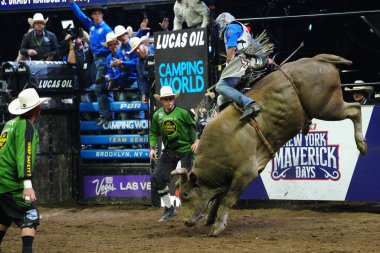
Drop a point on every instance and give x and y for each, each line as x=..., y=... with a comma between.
x=3, y=139
x=170, y=127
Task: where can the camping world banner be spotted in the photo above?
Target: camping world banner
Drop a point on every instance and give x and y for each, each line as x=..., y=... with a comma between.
x=182, y=63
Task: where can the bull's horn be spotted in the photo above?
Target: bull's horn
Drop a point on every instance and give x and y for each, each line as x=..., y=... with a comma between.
x=182, y=172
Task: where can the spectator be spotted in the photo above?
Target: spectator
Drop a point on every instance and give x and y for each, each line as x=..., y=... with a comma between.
x=144, y=48
x=39, y=44
x=128, y=60
x=21, y=57
x=98, y=31
x=18, y=151
x=80, y=55
x=236, y=36
x=194, y=12
x=177, y=128
x=115, y=74
x=362, y=94
x=145, y=70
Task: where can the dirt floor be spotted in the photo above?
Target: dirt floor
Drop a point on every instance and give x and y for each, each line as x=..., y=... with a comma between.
x=293, y=228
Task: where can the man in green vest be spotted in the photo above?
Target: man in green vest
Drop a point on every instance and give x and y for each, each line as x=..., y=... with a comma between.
x=178, y=131
x=18, y=149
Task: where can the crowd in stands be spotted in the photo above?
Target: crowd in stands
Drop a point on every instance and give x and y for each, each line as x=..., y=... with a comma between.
x=107, y=59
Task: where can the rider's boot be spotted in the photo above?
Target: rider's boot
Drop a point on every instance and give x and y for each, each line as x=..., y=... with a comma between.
x=250, y=111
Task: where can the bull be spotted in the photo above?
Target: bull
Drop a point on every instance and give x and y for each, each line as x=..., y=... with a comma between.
x=231, y=153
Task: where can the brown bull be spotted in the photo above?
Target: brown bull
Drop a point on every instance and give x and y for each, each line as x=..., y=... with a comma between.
x=231, y=153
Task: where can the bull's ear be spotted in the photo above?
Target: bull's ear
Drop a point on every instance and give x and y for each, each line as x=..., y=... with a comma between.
x=193, y=178
x=182, y=172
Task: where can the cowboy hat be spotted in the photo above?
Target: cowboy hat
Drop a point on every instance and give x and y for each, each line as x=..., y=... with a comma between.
x=367, y=89
x=136, y=41
x=26, y=101
x=111, y=36
x=37, y=17
x=120, y=30
x=129, y=30
x=165, y=91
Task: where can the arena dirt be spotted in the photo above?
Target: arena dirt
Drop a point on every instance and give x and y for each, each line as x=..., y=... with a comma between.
x=319, y=228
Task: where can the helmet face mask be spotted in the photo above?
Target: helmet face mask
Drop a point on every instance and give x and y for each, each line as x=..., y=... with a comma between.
x=221, y=23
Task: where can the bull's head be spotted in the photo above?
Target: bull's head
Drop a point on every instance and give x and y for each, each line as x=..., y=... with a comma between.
x=194, y=197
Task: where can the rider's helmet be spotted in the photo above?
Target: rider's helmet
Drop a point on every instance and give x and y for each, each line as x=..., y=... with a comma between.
x=221, y=23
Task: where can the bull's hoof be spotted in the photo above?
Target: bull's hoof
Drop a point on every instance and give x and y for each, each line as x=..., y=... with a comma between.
x=217, y=229
x=189, y=224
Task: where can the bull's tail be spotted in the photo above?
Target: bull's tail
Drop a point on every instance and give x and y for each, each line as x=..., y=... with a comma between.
x=330, y=58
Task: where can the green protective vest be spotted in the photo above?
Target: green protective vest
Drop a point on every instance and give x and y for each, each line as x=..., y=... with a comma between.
x=18, y=149
x=176, y=128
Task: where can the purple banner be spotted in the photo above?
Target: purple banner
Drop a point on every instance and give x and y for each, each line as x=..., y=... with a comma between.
x=117, y=186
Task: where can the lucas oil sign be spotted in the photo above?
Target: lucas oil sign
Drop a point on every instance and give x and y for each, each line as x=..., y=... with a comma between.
x=181, y=63
x=48, y=75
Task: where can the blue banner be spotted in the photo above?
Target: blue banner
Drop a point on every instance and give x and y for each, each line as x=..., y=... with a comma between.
x=115, y=106
x=114, y=139
x=7, y=5
x=115, y=154
x=115, y=125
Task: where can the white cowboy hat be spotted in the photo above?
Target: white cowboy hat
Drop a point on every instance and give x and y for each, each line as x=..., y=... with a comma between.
x=26, y=101
x=136, y=41
x=111, y=36
x=129, y=30
x=165, y=91
x=37, y=17
x=120, y=30
x=367, y=89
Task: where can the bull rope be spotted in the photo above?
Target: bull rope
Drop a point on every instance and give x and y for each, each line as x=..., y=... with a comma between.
x=253, y=122
x=290, y=56
x=256, y=125
x=286, y=73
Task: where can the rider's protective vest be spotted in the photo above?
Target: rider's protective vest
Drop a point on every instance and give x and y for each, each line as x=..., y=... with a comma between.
x=246, y=37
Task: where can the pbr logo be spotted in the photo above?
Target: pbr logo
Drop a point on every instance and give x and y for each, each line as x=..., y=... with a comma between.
x=308, y=157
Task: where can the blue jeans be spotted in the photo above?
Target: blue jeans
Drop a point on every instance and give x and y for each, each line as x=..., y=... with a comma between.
x=226, y=87
x=101, y=89
x=91, y=97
